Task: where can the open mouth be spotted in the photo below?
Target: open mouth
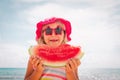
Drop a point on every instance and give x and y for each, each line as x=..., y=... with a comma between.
x=53, y=40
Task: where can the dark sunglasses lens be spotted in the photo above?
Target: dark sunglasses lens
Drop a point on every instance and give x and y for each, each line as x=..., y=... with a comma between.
x=48, y=31
x=58, y=30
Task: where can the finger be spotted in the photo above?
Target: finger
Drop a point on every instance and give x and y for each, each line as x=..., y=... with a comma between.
x=78, y=62
x=34, y=67
x=71, y=64
x=36, y=62
x=74, y=62
x=38, y=57
x=40, y=65
x=31, y=58
x=67, y=67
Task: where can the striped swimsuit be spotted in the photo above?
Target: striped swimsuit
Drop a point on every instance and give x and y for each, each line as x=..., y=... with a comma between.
x=54, y=74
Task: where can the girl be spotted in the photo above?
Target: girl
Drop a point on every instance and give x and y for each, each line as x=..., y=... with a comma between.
x=52, y=32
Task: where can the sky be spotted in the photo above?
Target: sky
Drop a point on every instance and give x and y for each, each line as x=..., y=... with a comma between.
x=95, y=27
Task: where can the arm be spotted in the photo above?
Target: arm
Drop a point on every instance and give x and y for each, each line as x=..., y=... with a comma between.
x=34, y=69
x=71, y=69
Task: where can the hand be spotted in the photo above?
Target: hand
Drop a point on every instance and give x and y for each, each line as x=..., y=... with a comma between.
x=71, y=69
x=37, y=63
x=72, y=65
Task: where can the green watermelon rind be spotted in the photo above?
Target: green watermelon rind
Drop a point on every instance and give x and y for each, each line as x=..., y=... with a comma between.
x=29, y=50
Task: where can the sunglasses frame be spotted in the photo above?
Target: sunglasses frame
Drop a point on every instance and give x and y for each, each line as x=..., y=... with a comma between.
x=58, y=30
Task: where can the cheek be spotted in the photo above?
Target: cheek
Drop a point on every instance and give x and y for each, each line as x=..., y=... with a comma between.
x=45, y=38
x=62, y=37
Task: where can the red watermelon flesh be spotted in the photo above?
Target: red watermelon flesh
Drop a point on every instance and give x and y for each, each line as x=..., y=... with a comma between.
x=56, y=56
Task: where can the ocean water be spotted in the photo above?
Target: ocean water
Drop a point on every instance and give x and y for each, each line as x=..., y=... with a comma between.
x=84, y=74
x=99, y=74
x=12, y=73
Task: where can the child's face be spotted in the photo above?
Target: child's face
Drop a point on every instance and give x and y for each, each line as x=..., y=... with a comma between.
x=53, y=34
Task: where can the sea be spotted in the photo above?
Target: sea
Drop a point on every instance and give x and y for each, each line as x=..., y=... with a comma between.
x=84, y=74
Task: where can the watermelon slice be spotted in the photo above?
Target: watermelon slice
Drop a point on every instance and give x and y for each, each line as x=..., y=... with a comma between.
x=56, y=56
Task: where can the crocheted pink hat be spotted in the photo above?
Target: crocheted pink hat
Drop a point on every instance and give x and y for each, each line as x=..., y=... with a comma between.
x=52, y=20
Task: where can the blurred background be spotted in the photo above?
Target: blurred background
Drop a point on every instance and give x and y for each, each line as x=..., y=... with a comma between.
x=95, y=27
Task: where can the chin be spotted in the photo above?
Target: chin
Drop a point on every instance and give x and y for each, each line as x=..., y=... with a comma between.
x=54, y=45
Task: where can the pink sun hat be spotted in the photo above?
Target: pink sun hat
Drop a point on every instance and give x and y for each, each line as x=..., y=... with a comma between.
x=52, y=20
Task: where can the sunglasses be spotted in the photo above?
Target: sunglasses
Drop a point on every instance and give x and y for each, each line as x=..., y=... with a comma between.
x=48, y=31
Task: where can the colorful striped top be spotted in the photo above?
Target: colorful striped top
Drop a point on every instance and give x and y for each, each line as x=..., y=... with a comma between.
x=54, y=74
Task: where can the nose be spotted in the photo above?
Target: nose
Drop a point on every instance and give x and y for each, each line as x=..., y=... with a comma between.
x=53, y=33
